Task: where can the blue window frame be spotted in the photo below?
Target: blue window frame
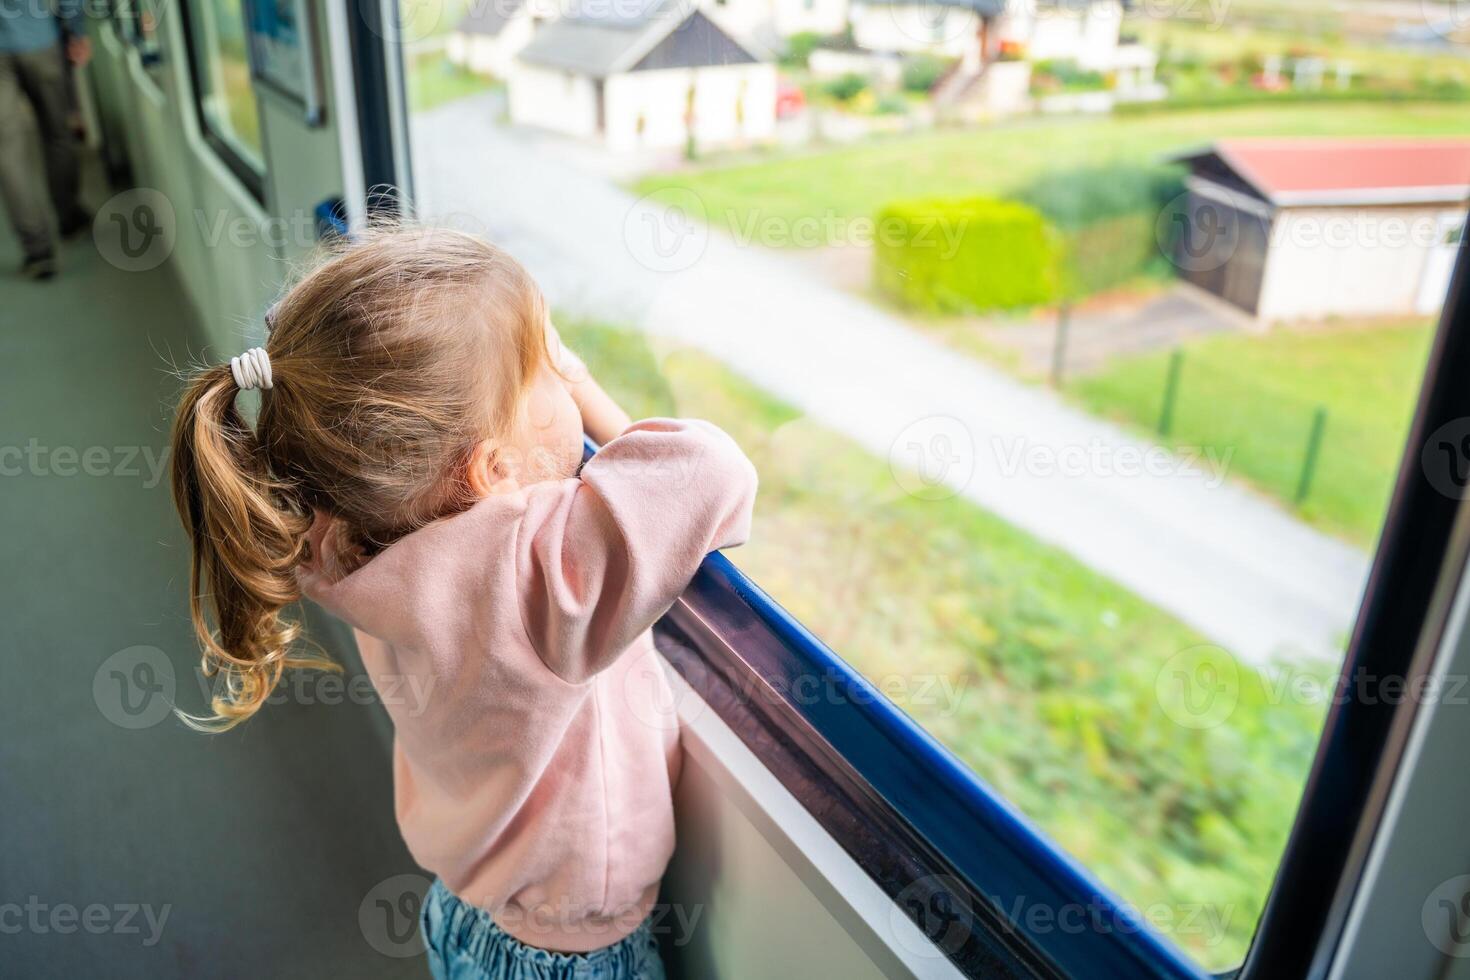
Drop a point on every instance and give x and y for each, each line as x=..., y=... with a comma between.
x=969, y=868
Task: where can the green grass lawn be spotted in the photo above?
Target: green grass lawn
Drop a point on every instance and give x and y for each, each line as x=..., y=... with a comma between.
x=855, y=181
x=1255, y=395
x=1053, y=672
x=434, y=80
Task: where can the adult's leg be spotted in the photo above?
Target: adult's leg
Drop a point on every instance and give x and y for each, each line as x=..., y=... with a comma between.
x=43, y=75
x=20, y=185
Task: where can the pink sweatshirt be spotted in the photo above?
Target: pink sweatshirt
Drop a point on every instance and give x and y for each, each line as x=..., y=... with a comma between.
x=535, y=745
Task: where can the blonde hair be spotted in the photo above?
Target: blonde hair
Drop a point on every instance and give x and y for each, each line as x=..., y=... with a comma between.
x=391, y=362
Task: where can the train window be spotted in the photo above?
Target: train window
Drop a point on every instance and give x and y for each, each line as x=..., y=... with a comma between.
x=1076, y=345
x=227, y=107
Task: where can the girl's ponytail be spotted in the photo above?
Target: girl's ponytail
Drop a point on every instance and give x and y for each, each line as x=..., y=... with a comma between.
x=247, y=533
x=393, y=359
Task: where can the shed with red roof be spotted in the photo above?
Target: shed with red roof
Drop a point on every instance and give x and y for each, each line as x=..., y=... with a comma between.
x=1293, y=229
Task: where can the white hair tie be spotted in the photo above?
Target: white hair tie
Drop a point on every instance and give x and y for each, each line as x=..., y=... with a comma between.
x=252, y=369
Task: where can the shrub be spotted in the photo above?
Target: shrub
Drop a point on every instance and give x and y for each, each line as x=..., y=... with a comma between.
x=891, y=104
x=972, y=254
x=922, y=72
x=1068, y=76
x=799, y=47
x=846, y=87
x=1107, y=217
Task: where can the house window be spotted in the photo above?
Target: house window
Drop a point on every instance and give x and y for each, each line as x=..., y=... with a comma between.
x=225, y=98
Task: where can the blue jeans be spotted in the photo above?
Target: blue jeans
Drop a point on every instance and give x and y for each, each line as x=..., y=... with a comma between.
x=466, y=944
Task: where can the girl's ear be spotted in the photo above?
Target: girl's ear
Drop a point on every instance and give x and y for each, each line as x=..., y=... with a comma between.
x=489, y=471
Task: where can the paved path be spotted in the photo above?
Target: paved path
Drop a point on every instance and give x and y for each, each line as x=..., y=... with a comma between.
x=1232, y=565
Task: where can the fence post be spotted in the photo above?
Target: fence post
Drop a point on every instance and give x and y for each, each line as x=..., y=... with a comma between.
x=1171, y=391
x=1314, y=448
x=1059, y=348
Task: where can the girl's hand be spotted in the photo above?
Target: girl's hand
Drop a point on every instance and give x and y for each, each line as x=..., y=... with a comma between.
x=602, y=418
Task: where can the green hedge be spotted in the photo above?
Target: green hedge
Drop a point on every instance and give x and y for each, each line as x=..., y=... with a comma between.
x=965, y=255
x=1107, y=216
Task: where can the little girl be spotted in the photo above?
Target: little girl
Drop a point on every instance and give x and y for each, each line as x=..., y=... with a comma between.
x=414, y=470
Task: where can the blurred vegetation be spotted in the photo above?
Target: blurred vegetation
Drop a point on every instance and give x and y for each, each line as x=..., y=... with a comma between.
x=1061, y=688
x=799, y=48
x=845, y=88
x=1056, y=75
x=434, y=80
x=922, y=72
x=1107, y=216
x=854, y=182
x=1292, y=30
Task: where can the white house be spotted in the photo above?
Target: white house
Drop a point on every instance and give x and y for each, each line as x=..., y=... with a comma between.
x=979, y=31
x=768, y=22
x=949, y=28
x=1311, y=228
x=493, y=32
x=1084, y=31
x=652, y=79
x=1087, y=32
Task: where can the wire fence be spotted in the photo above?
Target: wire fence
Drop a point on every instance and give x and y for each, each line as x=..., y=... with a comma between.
x=1327, y=458
x=1285, y=454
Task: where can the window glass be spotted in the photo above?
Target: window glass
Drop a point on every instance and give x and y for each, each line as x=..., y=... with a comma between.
x=1076, y=347
x=228, y=107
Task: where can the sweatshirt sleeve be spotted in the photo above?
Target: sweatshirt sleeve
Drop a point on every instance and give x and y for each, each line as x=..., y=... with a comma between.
x=601, y=559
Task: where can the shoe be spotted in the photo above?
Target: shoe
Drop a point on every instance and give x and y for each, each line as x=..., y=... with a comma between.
x=75, y=223
x=39, y=267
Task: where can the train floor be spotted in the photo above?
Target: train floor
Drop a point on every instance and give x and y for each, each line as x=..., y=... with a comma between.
x=132, y=845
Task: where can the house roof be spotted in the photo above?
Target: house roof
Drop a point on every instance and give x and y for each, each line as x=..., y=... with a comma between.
x=1299, y=172
x=619, y=35
x=488, y=16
